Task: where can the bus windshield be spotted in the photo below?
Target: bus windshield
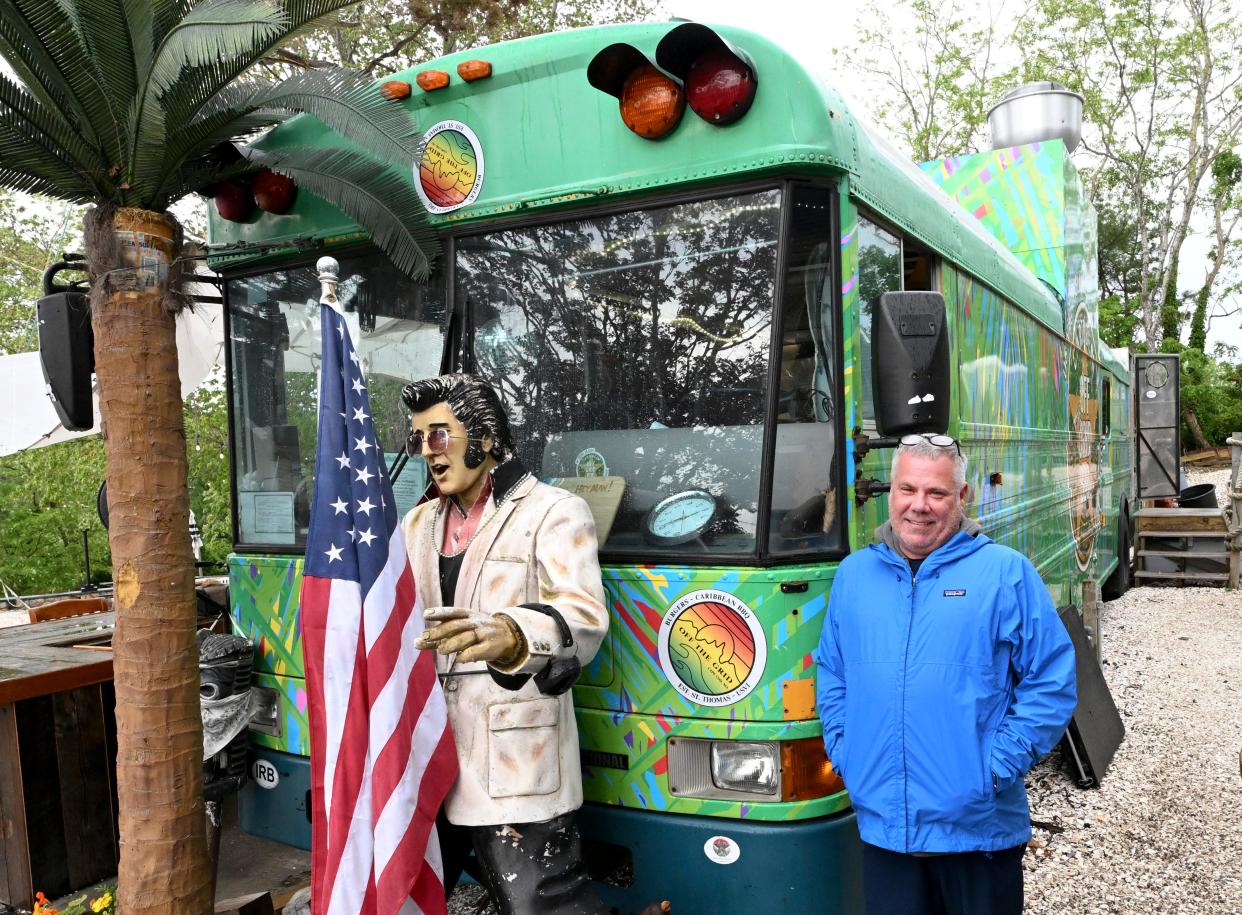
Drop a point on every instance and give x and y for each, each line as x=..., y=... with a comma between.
x=634, y=348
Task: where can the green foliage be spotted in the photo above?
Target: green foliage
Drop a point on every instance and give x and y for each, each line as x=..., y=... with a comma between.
x=33, y=235
x=936, y=77
x=47, y=498
x=1212, y=388
x=207, y=449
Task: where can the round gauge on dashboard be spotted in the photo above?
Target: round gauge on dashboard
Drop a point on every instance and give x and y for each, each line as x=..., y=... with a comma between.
x=679, y=518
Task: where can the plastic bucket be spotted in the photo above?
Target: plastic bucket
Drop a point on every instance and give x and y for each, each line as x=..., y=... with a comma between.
x=1202, y=495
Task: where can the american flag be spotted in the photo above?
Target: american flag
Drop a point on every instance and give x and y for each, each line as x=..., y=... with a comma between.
x=382, y=755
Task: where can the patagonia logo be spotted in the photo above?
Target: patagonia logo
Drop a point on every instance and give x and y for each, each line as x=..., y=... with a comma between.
x=955, y=592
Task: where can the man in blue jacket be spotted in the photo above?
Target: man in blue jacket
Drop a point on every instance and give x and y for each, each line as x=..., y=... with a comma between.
x=944, y=674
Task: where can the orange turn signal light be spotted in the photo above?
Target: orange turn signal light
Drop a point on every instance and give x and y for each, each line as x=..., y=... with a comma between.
x=806, y=771
x=470, y=70
x=395, y=89
x=651, y=103
x=430, y=80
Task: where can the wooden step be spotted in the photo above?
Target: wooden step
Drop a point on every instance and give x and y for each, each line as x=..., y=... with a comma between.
x=1175, y=534
x=1208, y=576
x=1184, y=554
x=1180, y=519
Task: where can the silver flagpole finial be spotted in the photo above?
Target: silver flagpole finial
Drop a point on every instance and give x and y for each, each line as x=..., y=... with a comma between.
x=329, y=270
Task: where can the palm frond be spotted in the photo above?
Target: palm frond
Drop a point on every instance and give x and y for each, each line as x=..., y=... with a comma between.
x=21, y=115
x=147, y=135
x=199, y=85
x=119, y=34
x=379, y=198
x=350, y=104
x=46, y=52
x=197, y=174
x=215, y=30
x=28, y=166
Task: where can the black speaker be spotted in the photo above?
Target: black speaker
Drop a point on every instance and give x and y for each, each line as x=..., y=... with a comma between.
x=910, y=369
x=67, y=353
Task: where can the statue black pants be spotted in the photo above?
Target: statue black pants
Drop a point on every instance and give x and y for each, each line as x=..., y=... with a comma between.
x=529, y=868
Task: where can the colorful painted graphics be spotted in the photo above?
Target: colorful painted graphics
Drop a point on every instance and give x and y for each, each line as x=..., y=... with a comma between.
x=449, y=171
x=712, y=649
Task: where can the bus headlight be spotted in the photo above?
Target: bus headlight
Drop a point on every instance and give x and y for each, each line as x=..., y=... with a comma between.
x=743, y=766
x=750, y=770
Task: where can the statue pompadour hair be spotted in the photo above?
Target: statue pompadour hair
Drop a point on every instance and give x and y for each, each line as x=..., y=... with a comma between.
x=475, y=404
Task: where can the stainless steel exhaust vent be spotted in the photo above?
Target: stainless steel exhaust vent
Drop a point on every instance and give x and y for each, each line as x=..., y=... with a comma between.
x=1036, y=112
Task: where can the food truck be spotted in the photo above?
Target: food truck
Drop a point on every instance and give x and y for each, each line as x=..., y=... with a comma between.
x=676, y=253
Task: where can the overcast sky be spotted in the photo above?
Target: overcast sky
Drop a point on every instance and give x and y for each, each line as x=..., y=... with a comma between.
x=811, y=30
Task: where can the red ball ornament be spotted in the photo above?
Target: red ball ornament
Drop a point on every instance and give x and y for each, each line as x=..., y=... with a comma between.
x=272, y=192
x=233, y=201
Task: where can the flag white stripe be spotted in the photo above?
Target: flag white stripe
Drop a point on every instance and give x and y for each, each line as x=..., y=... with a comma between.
x=378, y=604
x=394, y=819
x=339, y=655
x=354, y=872
x=386, y=707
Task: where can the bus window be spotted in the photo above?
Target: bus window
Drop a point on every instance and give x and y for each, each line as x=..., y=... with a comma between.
x=398, y=331
x=635, y=346
x=1106, y=408
x=879, y=271
x=805, y=475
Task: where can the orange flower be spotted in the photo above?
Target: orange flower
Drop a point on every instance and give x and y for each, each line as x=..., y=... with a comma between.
x=42, y=906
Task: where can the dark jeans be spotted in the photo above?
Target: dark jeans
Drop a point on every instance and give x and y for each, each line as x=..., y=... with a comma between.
x=970, y=883
x=529, y=868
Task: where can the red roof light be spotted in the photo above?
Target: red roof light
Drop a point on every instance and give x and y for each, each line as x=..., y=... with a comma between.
x=719, y=86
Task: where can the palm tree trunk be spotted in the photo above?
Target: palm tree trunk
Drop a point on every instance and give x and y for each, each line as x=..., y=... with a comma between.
x=164, y=866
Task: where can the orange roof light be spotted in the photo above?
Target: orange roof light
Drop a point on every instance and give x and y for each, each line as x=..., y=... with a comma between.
x=470, y=70
x=651, y=103
x=430, y=80
x=395, y=89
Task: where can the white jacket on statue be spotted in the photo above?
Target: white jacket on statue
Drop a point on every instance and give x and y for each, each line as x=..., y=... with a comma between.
x=518, y=749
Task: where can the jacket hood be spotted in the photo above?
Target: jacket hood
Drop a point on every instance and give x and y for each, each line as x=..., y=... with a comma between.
x=969, y=537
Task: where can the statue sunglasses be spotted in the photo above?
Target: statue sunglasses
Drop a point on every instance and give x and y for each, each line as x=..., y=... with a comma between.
x=437, y=441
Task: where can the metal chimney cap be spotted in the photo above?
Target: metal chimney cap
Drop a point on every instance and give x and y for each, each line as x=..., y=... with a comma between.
x=1036, y=88
x=1036, y=112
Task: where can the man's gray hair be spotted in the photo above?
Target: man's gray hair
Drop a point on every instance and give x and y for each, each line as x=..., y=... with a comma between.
x=926, y=449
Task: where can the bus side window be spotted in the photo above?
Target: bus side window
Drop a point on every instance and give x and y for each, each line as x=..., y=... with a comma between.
x=806, y=474
x=880, y=270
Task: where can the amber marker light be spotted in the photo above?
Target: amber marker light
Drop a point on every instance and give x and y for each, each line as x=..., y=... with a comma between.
x=651, y=103
x=430, y=80
x=470, y=70
x=806, y=771
x=395, y=89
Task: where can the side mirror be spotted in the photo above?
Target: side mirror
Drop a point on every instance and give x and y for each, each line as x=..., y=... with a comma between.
x=910, y=369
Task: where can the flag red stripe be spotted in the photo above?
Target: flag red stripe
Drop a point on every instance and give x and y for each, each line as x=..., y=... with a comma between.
x=312, y=612
x=396, y=883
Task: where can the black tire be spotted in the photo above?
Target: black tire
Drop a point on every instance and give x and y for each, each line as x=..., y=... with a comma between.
x=1119, y=582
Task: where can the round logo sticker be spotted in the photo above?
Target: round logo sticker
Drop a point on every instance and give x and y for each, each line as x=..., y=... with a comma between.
x=264, y=774
x=590, y=463
x=722, y=850
x=712, y=648
x=449, y=172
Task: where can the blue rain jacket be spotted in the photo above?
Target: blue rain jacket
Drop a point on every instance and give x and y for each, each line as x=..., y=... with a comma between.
x=928, y=688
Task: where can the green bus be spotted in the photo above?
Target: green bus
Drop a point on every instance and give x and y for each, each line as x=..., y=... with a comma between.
x=665, y=245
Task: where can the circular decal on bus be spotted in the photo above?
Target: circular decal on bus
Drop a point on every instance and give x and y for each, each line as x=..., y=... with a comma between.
x=722, y=850
x=712, y=648
x=590, y=463
x=449, y=172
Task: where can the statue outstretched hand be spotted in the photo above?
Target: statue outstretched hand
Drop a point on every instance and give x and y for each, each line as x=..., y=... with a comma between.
x=475, y=634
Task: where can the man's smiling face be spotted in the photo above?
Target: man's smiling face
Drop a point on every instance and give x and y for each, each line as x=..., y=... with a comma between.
x=449, y=469
x=924, y=504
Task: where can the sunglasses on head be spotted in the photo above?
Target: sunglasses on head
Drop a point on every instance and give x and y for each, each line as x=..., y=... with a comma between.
x=940, y=441
x=437, y=441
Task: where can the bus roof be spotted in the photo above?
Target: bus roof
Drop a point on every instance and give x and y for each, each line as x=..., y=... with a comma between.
x=550, y=140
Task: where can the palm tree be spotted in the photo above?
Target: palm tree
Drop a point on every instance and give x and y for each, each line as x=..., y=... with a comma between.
x=124, y=104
